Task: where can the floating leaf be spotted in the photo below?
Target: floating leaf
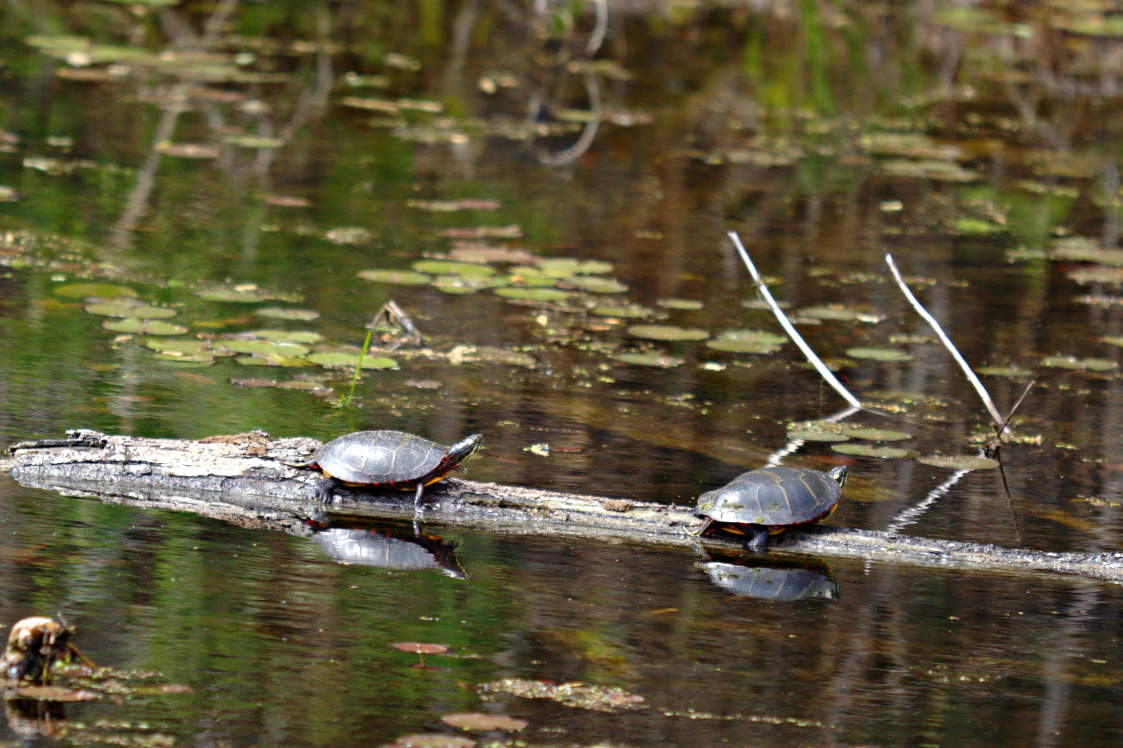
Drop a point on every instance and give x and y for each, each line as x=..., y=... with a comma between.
x=533, y=294
x=1083, y=249
x=401, y=277
x=629, y=311
x=98, y=290
x=179, y=346
x=451, y=206
x=201, y=151
x=594, y=284
x=1004, y=371
x=958, y=462
x=277, y=312
x=840, y=313
x=811, y=435
x=263, y=347
x=564, y=267
x=478, y=252
x=1080, y=364
x=684, y=304
x=127, y=309
x=667, y=332
x=333, y=360
x=874, y=434
x=421, y=647
x=256, y=142
x=271, y=359
x=746, y=341
x=869, y=450
x=483, y=722
x=879, y=354
x=448, y=267
x=290, y=336
x=466, y=283
x=247, y=295
x=1097, y=274
x=660, y=360
x=144, y=326
x=348, y=235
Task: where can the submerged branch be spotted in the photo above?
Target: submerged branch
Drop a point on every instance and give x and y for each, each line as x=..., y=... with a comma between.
x=789, y=328
x=250, y=480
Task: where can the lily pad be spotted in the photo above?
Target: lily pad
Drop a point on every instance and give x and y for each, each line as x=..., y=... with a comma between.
x=533, y=294
x=840, y=313
x=811, y=435
x=660, y=360
x=290, y=336
x=1083, y=249
x=958, y=462
x=98, y=290
x=627, y=311
x=879, y=354
x=254, y=142
x=1004, y=371
x=144, y=326
x=595, y=284
x=1080, y=364
x=448, y=267
x=277, y=312
x=565, y=267
x=126, y=309
x=271, y=359
x=263, y=347
x=746, y=341
x=683, y=304
x=1097, y=274
x=874, y=434
x=401, y=277
x=247, y=295
x=869, y=450
x=667, y=332
x=335, y=360
x=177, y=346
x=483, y=722
x=467, y=283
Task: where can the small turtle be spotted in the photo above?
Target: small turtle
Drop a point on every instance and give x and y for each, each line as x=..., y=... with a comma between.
x=769, y=500
x=388, y=459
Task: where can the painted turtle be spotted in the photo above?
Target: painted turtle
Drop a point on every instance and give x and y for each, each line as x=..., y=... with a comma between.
x=388, y=459
x=767, y=501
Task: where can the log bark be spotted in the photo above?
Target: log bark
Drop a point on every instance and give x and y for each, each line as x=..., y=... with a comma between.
x=251, y=479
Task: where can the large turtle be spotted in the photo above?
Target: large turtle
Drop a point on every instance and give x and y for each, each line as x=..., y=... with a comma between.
x=769, y=500
x=388, y=459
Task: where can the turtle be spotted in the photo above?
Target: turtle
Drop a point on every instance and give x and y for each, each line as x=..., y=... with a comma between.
x=387, y=459
x=769, y=500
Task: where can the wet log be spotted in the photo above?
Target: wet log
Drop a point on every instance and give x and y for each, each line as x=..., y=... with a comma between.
x=251, y=480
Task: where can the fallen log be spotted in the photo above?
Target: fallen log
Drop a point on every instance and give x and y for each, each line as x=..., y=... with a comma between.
x=249, y=479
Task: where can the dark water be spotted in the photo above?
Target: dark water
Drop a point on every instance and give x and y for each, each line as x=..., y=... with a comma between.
x=979, y=145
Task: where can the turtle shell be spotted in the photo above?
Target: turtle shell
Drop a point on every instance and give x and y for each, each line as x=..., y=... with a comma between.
x=390, y=458
x=774, y=496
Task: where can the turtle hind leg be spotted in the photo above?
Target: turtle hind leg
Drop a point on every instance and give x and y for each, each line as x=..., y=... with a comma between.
x=758, y=542
x=327, y=485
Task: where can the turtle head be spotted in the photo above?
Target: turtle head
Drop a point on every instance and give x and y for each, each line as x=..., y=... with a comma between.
x=838, y=474
x=465, y=448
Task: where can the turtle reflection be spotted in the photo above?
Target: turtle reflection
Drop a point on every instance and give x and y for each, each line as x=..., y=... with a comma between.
x=390, y=548
x=772, y=581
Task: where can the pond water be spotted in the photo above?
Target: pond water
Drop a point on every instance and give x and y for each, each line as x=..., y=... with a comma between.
x=221, y=170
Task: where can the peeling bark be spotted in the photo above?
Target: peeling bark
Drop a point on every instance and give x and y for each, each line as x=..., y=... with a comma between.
x=250, y=480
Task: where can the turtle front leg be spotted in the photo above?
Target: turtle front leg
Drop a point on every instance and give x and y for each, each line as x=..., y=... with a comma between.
x=758, y=542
